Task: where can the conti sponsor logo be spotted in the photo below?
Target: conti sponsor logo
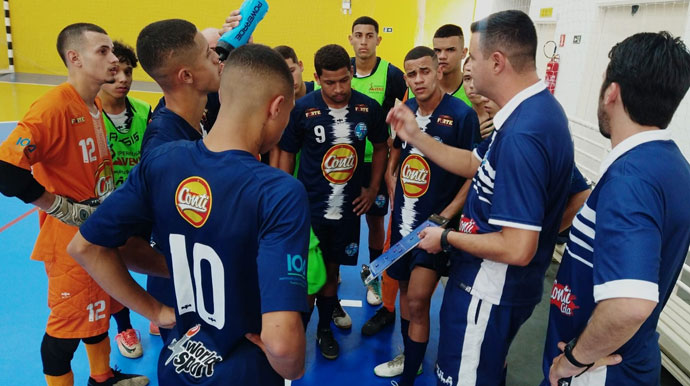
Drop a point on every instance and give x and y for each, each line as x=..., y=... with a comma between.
x=193, y=200
x=339, y=163
x=105, y=182
x=414, y=176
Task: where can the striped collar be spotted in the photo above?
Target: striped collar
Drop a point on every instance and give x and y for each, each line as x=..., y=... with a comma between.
x=505, y=112
x=630, y=143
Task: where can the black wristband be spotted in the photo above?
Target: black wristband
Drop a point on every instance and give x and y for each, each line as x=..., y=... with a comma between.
x=568, y=352
x=445, y=246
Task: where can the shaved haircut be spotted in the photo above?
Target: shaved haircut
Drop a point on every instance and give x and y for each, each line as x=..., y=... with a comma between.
x=72, y=37
x=164, y=41
x=255, y=70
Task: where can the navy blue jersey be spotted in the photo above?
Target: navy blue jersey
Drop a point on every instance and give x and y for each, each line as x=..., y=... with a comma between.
x=523, y=182
x=628, y=241
x=424, y=188
x=210, y=110
x=578, y=183
x=234, y=233
x=309, y=86
x=332, y=143
x=166, y=126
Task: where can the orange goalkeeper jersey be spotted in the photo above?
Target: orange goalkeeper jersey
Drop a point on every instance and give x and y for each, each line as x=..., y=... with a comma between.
x=65, y=147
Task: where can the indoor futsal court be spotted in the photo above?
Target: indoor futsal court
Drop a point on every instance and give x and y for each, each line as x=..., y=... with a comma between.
x=574, y=38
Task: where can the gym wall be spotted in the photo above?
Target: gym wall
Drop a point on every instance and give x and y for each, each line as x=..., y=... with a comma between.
x=304, y=25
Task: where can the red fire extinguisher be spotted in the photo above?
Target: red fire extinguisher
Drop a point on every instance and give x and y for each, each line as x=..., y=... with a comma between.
x=552, y=73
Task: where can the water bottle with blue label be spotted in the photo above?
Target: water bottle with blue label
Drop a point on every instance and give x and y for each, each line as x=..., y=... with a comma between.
x=252, y=12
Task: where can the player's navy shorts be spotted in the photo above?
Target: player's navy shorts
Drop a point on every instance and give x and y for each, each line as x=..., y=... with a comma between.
x=402, y=269
x=380, y=205
x=474, y=338
x=338, y=240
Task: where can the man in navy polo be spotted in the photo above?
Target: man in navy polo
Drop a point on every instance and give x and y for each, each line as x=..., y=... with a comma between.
x=513, y=210
x=628, y=243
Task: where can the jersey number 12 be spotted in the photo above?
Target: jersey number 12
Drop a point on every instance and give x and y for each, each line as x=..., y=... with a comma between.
x=190, y=298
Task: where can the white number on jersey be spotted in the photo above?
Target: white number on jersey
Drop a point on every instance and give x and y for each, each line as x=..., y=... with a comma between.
x=88, y=147
x=191, y=298
x=320, y=133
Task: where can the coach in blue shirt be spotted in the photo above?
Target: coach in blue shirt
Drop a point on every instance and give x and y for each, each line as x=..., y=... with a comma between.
x=521, y=178
x=629, y=241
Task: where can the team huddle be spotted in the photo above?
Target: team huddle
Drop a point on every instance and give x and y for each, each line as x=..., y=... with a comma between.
x=245, y=187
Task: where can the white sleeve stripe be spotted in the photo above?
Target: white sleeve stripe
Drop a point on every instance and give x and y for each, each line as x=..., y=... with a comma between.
x=581, y=243
x=582, y=227
x=518, y=225
x=627, y=288
x=476, y=155
x=589, y=214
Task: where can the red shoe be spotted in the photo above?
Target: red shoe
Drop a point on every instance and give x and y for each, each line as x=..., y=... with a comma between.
x=153, y=329
x=129, y=343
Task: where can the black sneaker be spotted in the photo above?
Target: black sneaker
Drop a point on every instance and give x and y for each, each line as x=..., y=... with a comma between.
x=381, y=319
x=121, y=379
x=327, y=343
x=341, y=318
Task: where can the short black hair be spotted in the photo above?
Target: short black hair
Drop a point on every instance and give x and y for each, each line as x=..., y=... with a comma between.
x=331, y=57
x=73, y=33
x=420, y=52
x=449, y=30
x=653, y=71
x=511, y=32
x=366, y=20
x=125, y=53
x=261, y=61
x=287, y=53
x=160, y=41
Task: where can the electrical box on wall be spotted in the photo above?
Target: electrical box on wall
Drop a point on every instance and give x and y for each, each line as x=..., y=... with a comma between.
x=347, y=7
x=388, y=29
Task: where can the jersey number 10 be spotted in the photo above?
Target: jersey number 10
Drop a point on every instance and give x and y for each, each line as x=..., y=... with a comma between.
x=182, y=277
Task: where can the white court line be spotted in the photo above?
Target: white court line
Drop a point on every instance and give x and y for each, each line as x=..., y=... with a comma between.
x=351, y=303
x=53, y=85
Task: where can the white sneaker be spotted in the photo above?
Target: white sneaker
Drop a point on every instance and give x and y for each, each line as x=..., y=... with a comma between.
x=341, y=318
x=374, y=293
x=393, y=368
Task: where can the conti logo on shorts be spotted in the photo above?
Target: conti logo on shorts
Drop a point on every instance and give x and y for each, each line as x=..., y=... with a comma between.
x=414, y=176
x=339, y=163
x=193, y=200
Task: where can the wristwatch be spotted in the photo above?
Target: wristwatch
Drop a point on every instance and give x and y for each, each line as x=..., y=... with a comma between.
x=568, y=352
x=445, y=245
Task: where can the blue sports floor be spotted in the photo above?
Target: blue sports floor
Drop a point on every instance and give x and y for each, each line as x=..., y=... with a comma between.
x=24, y=312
